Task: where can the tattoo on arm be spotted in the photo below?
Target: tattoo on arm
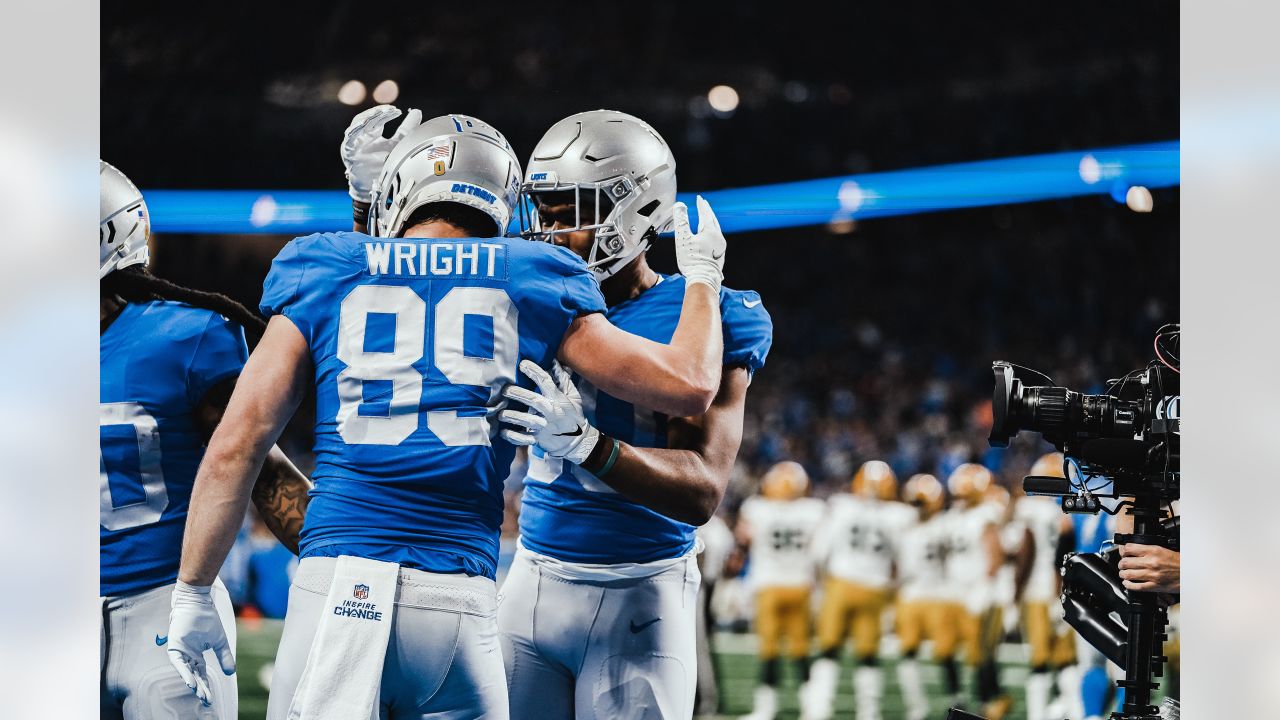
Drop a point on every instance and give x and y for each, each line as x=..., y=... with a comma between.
x=280, y=496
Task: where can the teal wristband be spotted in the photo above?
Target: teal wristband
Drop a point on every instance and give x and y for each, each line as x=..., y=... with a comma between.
x=613, y=458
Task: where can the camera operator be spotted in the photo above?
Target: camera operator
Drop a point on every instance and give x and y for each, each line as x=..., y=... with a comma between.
x=1147, y=568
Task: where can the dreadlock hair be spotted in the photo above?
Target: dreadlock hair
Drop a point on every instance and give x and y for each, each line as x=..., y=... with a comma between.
x=136, y=284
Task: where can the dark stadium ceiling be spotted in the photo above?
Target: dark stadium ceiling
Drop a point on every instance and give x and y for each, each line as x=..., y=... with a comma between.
x=239, y=95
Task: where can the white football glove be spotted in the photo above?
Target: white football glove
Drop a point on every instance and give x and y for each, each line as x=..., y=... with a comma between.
x=700, y=255
x=561, y=430
x=364, y=150
x=195, y=626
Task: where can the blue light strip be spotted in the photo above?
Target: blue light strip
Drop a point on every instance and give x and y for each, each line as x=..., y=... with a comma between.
x=1108, y=171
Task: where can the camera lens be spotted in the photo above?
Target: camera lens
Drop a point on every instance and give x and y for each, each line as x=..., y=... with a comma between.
x=1058, y=413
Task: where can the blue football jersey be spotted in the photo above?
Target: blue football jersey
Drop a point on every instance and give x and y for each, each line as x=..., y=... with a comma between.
x=158, y=359
x=570, y=514
x=412, y=341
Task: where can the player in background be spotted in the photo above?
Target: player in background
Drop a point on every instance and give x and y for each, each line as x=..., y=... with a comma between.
x=778, y=526
x=1091, y=534
x=409, y=338
x=599, y=610
x=1007, y=585
x=855, y=547
x=1050, y=638
x=718, y=545
x=169, y=357
x=974, y=557
x=925, y=607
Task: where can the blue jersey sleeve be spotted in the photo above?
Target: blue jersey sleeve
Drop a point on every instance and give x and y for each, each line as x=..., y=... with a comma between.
x=748, y=330
x=281, y=287
x=220, y=354
x=557, y=285
x=581, y=291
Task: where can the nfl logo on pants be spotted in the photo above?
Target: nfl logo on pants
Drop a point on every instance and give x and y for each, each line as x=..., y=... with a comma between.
x=361, y=592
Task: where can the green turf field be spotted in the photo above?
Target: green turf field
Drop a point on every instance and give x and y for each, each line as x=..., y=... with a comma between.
x=737, y=668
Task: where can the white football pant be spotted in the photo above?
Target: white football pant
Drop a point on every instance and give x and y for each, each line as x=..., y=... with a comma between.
x=443, y=661
x=137, y=681
x=599, y=646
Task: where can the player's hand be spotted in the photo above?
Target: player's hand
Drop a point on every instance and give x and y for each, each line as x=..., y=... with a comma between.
x=1150, y=568
x=364, y=150
x=700, y=255
x=195, y=626
x=555, y=421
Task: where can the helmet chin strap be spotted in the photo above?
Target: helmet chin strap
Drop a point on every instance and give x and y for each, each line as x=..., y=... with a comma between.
x=609, y=265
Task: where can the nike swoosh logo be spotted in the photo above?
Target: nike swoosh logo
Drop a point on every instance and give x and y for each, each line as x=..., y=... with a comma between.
x=575, y=433
x=717, y=257
x=750, y=303
x=637, y=628
x=162, y=639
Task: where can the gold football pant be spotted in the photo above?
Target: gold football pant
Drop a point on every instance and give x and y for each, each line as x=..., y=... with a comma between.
x=979, y=633
x=851, y=610
x=1048, y=649
x=782, y=613
x=933, y=619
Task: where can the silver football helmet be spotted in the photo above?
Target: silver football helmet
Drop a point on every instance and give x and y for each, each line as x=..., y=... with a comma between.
x=627, y=168
x=125, y=225
x=451, y=158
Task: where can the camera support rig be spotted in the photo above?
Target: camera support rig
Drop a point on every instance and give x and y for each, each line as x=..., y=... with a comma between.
x=1127, y=627
x=1132, y=436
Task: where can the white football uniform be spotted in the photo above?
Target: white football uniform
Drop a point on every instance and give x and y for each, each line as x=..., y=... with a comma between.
x=858, y=537
x=1012, y=536
x=782, y=533
x=922, y=553
x=1043, y=517
x=967, y=556
x=138, y=683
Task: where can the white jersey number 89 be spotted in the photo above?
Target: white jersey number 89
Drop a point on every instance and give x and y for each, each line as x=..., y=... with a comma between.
x=411, y=320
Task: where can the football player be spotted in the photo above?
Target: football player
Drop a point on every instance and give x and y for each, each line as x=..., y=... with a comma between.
x=855, y=548
x=1091, y=534
x=1052, y=644
x=778, y=525
x=1005, y=588
x=974, y=557
x=925, y=607
x=599, y=611
x=409, y=338
x=169, y=357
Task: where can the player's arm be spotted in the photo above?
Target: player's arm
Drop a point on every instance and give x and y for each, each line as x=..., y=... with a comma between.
x=280, y=493
x=820, y=542
x=363, y=152
x=1022, y=560
x=995, y=553
x=681, y=379
x=269, y=390
x=742, y=531
x=686, y=480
